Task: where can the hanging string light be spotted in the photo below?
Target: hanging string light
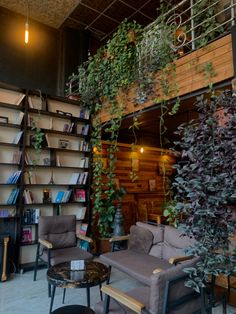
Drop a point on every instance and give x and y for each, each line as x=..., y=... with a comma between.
x=27, y=25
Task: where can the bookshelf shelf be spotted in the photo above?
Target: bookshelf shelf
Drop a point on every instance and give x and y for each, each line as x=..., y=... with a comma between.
x=10, y=106
x=10, y=125
x=61, y=120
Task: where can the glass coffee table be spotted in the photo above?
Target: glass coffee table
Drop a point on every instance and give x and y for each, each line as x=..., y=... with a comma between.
x=61, y=275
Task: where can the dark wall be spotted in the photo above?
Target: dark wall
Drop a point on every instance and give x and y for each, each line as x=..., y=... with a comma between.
x=46, y=61
x=33, y=65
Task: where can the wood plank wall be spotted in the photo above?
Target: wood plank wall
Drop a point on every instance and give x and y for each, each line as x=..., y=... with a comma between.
x=148, y=165
x=190, y=74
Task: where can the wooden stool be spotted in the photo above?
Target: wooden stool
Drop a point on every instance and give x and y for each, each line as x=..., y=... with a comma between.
x=73, y=309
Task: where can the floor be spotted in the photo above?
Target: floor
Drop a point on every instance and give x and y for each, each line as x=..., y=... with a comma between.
x=21, y=295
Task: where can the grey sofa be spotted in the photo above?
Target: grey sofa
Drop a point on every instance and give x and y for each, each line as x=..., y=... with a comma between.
x=150, y=249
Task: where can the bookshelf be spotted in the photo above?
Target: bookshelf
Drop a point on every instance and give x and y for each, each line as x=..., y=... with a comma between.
x=54, y=181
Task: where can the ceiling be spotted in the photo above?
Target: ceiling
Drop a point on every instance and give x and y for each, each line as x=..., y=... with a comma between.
x=100, y=17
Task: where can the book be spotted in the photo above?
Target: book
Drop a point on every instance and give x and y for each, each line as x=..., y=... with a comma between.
x=66, y=196
x=13, y=178
x=17, y=137
x=59, y=197
x=28, y=196
x=16, y=157
x=85, y=177
x=81, y=213
x=85, y=129
x=30, y=216
x=35, y=102
x=82, y=162
x=11, y=196
x=28, y=160
x=83, y=229
x=19, y=100
x=26, y=234
x=74, y=178
x=19, y=118
x=79, y=195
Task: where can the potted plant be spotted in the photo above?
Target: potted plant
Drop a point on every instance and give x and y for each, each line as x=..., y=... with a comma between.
x=204, y=183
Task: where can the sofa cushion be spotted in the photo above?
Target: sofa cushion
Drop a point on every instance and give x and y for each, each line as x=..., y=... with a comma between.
x=138, y=265
x=67, y=254
x=157, y=231
x=140, y=239
x=174, y=243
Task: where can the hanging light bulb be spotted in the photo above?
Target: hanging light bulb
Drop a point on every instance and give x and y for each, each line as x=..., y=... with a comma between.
x=26, y=32
x=27, y=25
x=141, y=149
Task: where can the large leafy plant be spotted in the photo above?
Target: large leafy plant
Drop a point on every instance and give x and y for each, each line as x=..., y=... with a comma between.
x=205, y=180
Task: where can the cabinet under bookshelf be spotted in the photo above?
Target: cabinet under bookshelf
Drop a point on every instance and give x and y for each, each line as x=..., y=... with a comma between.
x=52, y=180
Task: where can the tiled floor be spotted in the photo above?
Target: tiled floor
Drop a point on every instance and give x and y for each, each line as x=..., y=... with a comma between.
x=21, y=295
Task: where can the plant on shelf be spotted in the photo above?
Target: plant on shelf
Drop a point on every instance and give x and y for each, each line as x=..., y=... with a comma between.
x=205, y=180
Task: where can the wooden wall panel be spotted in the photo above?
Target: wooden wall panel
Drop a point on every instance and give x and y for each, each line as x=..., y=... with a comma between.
x=149, y=166
x=190, y=74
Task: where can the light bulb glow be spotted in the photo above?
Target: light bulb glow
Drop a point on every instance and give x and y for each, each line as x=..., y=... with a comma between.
x=141, y=150
x=26, y=32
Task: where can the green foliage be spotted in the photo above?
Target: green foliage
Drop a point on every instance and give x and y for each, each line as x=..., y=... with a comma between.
x=205, y=180
x=208, y=28
x=172, y=214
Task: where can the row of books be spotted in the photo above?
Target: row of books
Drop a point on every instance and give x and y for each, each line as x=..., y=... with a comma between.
x=28, y=197
x=12, y=198
x=14, y=177
x=83, y=146
x=82, y=129
x=84, y=113
x=78, y=178
x=6, y=213
x=30, y=216
x=16, y=157
x=79, y=195
x=84, y=162
x=63, y=196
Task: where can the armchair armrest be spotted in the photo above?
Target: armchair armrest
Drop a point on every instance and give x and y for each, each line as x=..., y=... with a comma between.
x=85, y=238
x=45, y=243
x=119, y=238
x=177, y=259
x=156, y=270
x=123, y=298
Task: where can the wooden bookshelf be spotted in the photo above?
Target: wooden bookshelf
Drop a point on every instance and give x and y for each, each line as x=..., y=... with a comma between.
x=51, y=169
